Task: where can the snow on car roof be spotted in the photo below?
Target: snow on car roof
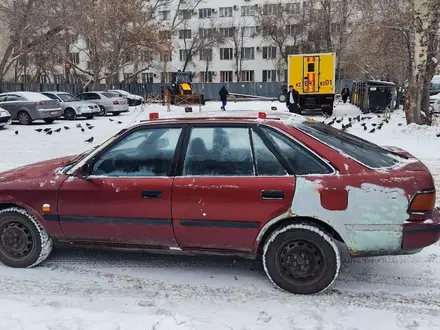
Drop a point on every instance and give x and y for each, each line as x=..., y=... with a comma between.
x=32, y=96
x=435, y=97
x=286, y=117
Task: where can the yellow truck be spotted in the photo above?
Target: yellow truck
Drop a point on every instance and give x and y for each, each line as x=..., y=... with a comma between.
x=313, y=77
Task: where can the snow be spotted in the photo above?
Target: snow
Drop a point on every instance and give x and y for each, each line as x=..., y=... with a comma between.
x=33, y=96
x=82, y=289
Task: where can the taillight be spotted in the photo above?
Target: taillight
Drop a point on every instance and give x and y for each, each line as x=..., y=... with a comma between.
x=115, y=102
x=38, y=103
x=421, y=205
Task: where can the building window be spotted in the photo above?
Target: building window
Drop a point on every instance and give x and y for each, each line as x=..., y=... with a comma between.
x=206, y=33
x=166, y=77
x=74, y=58
x=185, y=14
x=247, y=75
x=227, y=32
x=185, y=34
x=247, y=10
x=292, y=8
x=164, y=15
x=184, y=55
x=206, y=77
x=226, y=76
x=226, y=53
x=166, y=57
x=269, y=75
x=206, y=54
x=269, y=52
x=271, y=9
x=225, y=11
x=249, y=31
x=290, y=30
x=148, y=77
x=205, y=13
x=248, y=53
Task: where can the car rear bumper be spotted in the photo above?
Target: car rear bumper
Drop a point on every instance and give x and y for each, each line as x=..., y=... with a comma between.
x=49, y=113
x=420, y=235
x=118, y=108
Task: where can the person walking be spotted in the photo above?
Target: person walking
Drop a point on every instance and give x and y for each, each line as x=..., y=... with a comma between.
x=223, y=97
x=345, y=93
x=292, y=101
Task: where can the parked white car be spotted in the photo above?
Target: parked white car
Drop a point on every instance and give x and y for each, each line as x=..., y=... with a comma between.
x=73, y=107
x=434, y=102
x=5, y=118
x=132, y=99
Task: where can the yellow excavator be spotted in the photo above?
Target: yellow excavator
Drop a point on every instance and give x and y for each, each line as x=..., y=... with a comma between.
x=182, y=92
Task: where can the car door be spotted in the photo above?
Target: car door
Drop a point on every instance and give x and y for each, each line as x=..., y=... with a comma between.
x=127, y=197
x=11, y=103
x=229, y=184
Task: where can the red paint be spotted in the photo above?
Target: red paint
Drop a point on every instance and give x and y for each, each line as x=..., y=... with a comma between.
x=417, y=235
x=334, y=199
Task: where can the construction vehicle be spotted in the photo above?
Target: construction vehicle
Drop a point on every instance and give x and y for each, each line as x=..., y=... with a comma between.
x=313, y=77
x=182, y=92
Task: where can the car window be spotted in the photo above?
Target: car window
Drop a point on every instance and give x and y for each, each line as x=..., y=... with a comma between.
x=68, y=97
x=13, y=98
x=266, y=162
x=222, y=151
x=143, y=153
x=51, y=96
x=91, y=96
x=2, y=98
x=303, y=162
x=111, y=95
x=364, y=152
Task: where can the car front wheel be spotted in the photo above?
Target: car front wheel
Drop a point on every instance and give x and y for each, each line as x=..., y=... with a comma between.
x=23, y=241
x=301, y=259
x=24, y=118
x=102, y=111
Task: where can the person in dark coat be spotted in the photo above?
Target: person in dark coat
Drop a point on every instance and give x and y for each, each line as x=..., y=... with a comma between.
x=345, y=93
x=292, y=101
x=223, y=97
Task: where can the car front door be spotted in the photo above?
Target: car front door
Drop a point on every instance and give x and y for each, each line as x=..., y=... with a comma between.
x=127, y=197
x=11, y=103
x=229, y=183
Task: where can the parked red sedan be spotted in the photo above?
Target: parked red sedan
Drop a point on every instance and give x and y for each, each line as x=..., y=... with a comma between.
x=281, y=187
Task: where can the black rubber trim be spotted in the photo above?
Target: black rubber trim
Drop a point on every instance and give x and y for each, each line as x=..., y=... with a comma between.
x=220, y=224
x=117, y=221
x=427, y=229
x=51, y=217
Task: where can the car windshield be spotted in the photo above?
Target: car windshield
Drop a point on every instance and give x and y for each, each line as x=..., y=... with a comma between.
x=68, y=98
x=362, y=151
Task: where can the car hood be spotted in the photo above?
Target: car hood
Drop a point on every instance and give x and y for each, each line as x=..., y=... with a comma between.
x=35, y=175
x=79, y=103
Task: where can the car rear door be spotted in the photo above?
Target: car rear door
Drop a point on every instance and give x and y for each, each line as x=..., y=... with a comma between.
x=127, y=198
x=229, y=183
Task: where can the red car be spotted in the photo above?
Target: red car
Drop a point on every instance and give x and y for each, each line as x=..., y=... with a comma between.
x=281, y=187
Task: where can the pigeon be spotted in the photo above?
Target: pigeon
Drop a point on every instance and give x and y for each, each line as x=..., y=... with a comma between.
x=373, y=124
x=358, y=117
x=339, y=121
x=110, y=119
x=47, y=129
x=78, y=125
x=39, y=130
x=400, y=124
x=350, y=119
x=119, y=122
x=66, y=127
x=87, y=124
x=58, y=130
x=438, y=135
x=16, y=132
x=372, y=131
x=89, y=140
x=83, y=130
x=331, y=122
x=49, y=132
x=90, y=127
x=365, y=128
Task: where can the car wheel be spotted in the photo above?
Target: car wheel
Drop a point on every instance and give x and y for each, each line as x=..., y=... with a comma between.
x=103, y=111
x=49, y=121
x=90, y=116
x=301, y=259
x=116, y=113
x=282, y=98
x=23, y=241
x=69, y=114
x=24, y=118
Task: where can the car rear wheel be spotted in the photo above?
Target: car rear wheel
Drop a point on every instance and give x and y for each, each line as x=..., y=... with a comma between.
x=23, y=241
x=69, y=114
x=103, y=111
x=301, y=259
x=282, y=98
x=24, y=118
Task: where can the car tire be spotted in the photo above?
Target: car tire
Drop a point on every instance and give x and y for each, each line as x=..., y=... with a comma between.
x=49, y=121
x=103, y=111
x=282, y=98
x=24, y=243
x=24, y=118
x=90, y=116
x=301, y=259
x=69, y=114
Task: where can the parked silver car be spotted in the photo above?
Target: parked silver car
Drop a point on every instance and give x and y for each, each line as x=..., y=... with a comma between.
x=72, y=106
x=132, y=99
x=109, y=102
x=29, y=106
x=5, y=118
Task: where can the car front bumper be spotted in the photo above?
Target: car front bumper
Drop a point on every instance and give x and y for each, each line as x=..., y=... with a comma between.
x=87, y=111
x=5, y=120
x=417, y=235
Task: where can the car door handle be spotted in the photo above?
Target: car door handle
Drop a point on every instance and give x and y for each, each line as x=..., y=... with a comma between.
x=272, y=194
x=150, y=194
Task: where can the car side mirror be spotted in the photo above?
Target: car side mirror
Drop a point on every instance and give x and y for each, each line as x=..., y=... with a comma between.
x=84, y=171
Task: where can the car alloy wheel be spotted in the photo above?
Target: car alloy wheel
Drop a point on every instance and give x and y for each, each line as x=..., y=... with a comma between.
x=24, y=118
x=69, y=114
x=301, y=259
x=102, y=111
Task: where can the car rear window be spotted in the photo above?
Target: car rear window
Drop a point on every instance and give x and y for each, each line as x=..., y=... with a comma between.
x=362, y=151
x=110, y=95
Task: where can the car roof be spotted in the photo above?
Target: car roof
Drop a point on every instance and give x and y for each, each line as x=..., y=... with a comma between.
x=56, y=92
x=240, y=115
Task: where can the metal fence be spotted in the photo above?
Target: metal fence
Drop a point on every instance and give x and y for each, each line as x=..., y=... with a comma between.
x=210, y=90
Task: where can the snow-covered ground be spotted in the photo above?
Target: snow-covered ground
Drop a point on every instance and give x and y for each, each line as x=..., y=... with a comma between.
x=81, y=289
